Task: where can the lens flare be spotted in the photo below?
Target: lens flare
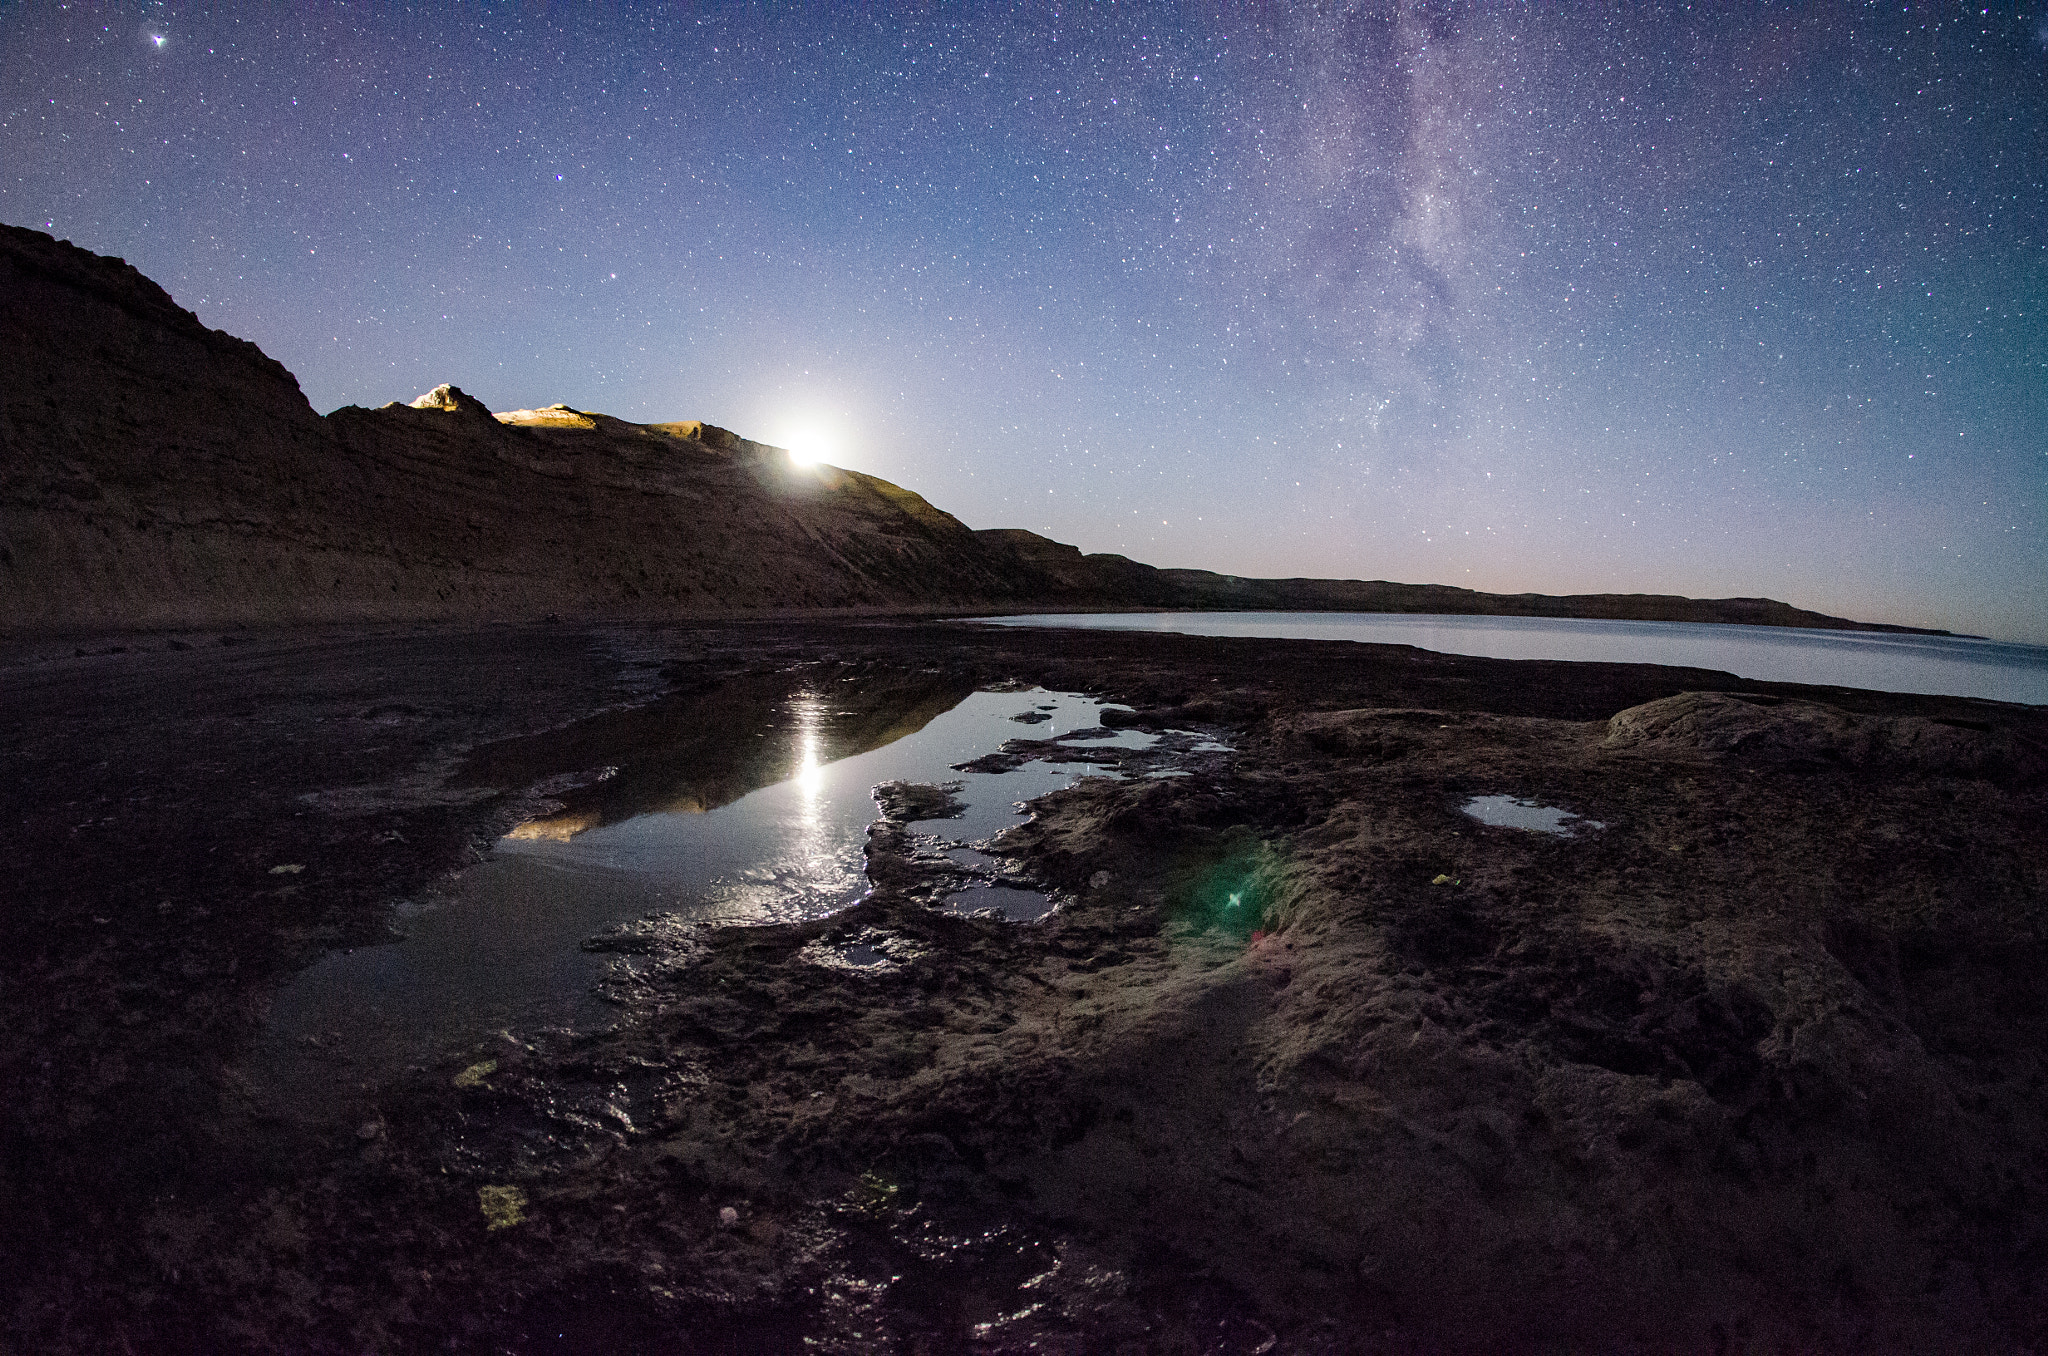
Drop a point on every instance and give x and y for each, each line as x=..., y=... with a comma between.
x=1239, y=895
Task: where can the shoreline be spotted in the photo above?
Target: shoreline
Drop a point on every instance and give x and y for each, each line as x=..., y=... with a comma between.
x=19, y=637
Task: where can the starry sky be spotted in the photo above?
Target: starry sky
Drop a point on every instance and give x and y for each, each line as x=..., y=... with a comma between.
x=1732, y=299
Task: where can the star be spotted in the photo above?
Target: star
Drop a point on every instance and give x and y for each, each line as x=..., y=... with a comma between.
x=157, y=39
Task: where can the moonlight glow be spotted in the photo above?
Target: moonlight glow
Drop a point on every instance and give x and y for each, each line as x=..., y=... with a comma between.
x=810, y=443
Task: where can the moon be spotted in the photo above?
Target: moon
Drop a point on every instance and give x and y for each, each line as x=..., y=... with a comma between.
x=810, y=443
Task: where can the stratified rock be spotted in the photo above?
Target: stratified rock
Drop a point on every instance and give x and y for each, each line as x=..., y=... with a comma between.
x=154, y=472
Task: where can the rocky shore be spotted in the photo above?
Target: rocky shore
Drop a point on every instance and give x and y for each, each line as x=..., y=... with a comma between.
x=1306, y=1059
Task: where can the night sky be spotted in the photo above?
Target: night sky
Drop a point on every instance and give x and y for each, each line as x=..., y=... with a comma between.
x=1728, y=300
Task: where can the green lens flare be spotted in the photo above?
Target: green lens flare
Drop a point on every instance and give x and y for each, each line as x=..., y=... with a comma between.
x=1236, y=895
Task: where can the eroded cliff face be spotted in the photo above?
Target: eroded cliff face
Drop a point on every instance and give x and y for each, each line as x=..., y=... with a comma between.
x=154, y=472
x=146, y=461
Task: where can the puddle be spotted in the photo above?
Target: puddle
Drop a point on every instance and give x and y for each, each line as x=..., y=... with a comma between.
x=1010, y=901
x=869, y=951
x=1512, y=812
x=749, y=803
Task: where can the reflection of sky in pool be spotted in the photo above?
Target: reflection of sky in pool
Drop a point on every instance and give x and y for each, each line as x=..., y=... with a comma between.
x=501, y=946
x=1511, y=812
x=1017, y=905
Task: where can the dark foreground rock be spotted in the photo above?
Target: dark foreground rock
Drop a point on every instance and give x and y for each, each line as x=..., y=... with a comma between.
x=1307, y=1060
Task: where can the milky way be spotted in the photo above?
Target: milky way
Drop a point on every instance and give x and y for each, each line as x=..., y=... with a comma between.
x=1731, y=303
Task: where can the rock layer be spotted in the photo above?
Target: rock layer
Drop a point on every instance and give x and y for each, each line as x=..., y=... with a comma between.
x=154, y=472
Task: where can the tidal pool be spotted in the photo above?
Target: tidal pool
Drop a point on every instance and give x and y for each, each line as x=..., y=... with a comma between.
x=1008, y=901
x=1512, y=812
x=749, y=805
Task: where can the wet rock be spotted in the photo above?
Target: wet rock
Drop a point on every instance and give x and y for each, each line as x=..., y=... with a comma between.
x=1006, y=759
x=1015, y=753
x=908, y=802
x=655, y=934
x=872, y=951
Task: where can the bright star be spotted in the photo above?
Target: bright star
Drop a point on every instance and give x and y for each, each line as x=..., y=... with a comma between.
x=157, y=38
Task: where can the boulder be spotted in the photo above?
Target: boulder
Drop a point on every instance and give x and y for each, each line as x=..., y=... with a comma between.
x=1788, y=733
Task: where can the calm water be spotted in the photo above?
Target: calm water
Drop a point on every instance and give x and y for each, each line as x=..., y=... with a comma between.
x=1513, y=812
x=1995, y=670
x=750, y=806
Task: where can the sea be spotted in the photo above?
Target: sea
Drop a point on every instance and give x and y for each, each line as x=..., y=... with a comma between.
x=1881, y=661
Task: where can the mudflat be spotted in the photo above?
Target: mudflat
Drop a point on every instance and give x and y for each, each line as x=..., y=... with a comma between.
x=1306, y=1059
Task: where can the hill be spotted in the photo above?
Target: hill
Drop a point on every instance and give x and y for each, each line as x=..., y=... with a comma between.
x=1122, y=582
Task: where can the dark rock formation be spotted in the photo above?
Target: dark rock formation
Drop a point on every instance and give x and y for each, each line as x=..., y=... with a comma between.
x=1720, y=727
x=1307, y=1060
x=154, y=472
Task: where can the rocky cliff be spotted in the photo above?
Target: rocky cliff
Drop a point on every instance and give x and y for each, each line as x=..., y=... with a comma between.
x=154, y=472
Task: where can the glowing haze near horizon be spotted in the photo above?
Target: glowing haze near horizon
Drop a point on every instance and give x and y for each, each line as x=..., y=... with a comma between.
x=1743, y=302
